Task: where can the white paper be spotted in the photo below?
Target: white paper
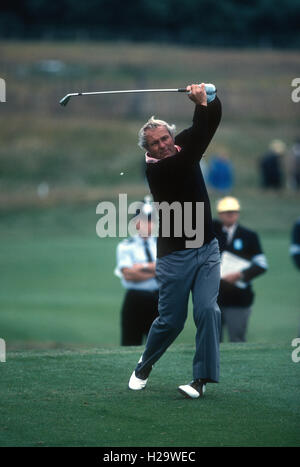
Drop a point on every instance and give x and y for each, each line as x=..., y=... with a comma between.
x=231, y=263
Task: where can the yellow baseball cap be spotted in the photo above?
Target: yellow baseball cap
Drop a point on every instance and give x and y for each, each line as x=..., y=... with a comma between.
x=277, y=146
x=228, y=204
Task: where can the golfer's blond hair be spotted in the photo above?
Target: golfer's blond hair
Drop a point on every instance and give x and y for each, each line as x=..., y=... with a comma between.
x=151, y=125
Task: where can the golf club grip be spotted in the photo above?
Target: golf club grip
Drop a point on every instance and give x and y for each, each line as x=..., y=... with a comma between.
x=210, y=89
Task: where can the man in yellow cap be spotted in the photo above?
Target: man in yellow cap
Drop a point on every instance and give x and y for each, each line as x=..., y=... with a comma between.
x=244, y=260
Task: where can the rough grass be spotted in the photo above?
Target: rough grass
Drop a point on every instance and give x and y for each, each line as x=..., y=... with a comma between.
x=92, y=140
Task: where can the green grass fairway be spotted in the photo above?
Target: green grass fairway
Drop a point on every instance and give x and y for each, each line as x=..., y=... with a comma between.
x=80, y=398
x=58, y=287
x=58, y=290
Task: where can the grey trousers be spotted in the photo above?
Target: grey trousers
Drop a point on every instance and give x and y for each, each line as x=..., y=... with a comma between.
x=236, y=320
x=195, y=270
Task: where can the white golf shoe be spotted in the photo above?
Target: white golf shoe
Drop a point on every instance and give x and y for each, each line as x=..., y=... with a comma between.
x=193, y=390
x=136, y=383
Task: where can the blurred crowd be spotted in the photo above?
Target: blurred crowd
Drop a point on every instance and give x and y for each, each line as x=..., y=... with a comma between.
x=279, y=166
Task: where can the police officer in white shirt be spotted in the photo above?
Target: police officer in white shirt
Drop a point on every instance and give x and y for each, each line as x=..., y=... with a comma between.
x=136, y=258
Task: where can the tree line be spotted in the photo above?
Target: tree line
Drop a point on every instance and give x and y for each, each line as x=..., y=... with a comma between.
x=273, y=23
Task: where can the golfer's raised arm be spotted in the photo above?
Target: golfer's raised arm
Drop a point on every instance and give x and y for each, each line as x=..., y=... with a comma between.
x=206, y=119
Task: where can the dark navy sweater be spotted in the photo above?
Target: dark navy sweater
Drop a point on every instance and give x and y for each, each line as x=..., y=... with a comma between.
x=179, y=178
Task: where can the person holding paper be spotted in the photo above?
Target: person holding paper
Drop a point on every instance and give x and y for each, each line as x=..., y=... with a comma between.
x=242, y=260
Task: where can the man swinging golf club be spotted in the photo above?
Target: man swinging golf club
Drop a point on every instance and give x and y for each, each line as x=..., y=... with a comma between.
x=174, y=175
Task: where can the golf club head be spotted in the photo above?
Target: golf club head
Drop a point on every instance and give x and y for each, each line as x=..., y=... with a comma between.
x=65, y=100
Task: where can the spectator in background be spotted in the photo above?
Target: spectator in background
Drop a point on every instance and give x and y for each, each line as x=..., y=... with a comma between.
x=236, y=295
x=295, y=247
x=136, y=259
x=294, y=166
x=220, y=173
x=295, y=243
x=271, y=165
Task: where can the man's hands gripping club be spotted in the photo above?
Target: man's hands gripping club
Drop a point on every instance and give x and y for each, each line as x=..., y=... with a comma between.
x=197, y=94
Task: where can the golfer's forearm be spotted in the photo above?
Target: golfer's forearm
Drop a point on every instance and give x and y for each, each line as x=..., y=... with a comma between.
x=205, y=123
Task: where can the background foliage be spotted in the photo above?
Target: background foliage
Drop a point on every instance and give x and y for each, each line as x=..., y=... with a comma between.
x=209, y=22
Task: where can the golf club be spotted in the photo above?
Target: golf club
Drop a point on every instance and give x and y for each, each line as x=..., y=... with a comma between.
x=210, y=91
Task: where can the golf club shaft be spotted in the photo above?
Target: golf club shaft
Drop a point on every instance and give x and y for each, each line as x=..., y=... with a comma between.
x=133, y=90
x=66, y=98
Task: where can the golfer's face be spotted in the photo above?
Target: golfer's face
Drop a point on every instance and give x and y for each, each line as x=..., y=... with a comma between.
x=160, y=143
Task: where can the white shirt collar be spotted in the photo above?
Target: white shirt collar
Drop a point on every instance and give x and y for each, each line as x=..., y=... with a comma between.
x=230, y=231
